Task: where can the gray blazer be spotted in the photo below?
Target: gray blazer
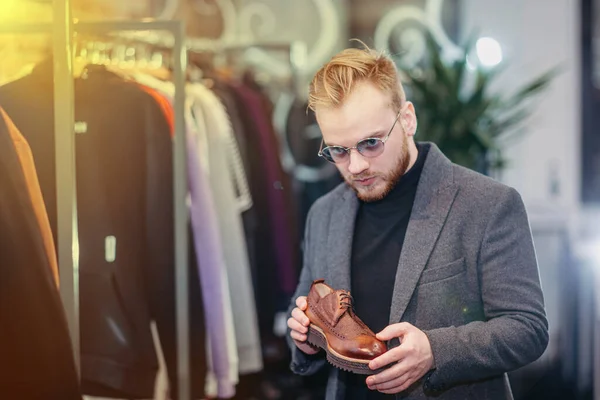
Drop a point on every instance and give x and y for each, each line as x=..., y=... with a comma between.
x=467, y=277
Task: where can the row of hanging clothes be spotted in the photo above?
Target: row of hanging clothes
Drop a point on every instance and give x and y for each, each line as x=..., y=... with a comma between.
x=35, y=347
x=244, y=228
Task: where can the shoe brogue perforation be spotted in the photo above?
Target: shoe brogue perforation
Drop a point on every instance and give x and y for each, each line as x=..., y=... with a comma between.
x=324, y=321
x=335, y=327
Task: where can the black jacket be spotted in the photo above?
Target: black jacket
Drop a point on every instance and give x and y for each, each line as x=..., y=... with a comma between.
x=35, y=348
x=124, y=181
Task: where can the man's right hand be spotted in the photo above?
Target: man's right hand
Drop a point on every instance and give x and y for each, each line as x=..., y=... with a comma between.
x=298, y=324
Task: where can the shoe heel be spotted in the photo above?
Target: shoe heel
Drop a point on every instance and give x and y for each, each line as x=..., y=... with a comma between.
x=315, y=338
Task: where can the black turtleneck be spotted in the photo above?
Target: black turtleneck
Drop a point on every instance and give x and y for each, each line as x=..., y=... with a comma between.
x=378, y=238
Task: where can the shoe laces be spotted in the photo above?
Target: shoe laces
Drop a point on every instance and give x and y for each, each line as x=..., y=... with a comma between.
x=346, y=301
x=345, y=306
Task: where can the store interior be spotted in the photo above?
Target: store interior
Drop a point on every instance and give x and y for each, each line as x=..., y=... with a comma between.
x=158, y=163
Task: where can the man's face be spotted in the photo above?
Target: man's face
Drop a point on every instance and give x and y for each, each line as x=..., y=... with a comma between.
x=367, y=113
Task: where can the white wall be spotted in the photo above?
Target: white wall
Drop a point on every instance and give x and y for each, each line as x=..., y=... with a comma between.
x=536, y=35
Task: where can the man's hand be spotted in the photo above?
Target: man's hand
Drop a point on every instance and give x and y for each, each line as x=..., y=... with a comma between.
x=414, y=358
x=298, y=324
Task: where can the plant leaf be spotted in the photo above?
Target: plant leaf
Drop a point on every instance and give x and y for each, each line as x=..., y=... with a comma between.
x=468, y=123
x=535, y=87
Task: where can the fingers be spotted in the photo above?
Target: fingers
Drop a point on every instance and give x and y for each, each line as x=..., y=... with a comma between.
x=294, y=325
x=400, y=385
x=390, y=374
x=299, y=316
x=299, y=322
x=394, y=331
x=392, y=380
x=390, y=356
x=298, y=337
x=301, y=303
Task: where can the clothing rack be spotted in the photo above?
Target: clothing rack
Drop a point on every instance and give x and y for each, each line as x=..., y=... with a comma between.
x=297, y=51
x=62, y=30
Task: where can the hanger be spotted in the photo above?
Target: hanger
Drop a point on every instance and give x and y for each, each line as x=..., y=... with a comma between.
x=120, y=57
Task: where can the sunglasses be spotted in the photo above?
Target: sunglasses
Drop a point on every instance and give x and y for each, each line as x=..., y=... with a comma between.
x=369, y=147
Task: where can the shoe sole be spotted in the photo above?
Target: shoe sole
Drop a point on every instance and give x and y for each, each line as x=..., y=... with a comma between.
x=317, y=337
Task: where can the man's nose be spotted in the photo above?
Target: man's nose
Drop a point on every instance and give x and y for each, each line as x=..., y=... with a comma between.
x=357, y=162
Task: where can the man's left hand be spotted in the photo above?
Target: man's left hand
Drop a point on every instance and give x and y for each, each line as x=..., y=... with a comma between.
x=414, y=358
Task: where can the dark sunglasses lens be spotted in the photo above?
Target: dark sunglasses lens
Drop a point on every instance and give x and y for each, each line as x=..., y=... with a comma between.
x=370, y=147
x=334, y=154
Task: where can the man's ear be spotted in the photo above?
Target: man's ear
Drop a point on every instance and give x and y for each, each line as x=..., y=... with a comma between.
x=404, y=125
x=409, y=119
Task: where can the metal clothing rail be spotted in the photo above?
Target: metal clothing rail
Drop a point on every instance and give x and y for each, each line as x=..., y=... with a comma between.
x=64, y=161
x=66, y=189
x=68, y=257
x=296, y=50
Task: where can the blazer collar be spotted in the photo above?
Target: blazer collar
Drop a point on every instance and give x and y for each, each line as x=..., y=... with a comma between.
x=436, y=192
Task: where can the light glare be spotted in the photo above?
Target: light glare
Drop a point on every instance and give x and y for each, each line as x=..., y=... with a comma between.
x=489, y=52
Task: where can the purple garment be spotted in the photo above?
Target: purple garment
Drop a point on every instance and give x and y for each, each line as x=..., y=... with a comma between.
x=209, y=255
x=210, y=263
x=276, y=193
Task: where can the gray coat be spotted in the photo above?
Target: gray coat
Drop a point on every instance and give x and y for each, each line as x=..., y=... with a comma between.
x=467, y=277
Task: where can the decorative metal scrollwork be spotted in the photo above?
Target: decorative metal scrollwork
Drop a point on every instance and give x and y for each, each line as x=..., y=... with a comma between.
x=255, y=21
x=411, y=38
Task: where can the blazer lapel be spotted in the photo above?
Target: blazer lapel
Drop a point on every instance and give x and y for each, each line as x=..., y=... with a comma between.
x=339, y=240
x=435, y=193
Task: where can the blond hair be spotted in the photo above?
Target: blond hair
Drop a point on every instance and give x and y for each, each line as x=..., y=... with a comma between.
x=334, y=82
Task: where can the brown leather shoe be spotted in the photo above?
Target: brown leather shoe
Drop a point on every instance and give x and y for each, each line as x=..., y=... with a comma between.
x=334, y=327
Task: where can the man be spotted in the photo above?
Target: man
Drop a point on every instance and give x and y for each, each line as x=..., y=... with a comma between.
x=439, y=259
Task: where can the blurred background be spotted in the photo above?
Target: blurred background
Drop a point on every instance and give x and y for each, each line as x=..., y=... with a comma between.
x=508, y=88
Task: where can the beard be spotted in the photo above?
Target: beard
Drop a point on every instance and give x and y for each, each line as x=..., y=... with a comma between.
x=386, y=182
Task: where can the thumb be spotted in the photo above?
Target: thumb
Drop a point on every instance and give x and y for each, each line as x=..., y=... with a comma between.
x=394, y=331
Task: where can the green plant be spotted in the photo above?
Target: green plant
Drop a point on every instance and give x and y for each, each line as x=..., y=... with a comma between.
x=462, y=117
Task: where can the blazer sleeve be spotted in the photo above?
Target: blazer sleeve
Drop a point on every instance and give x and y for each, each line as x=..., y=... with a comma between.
x=302, y=363
x=515, y=330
